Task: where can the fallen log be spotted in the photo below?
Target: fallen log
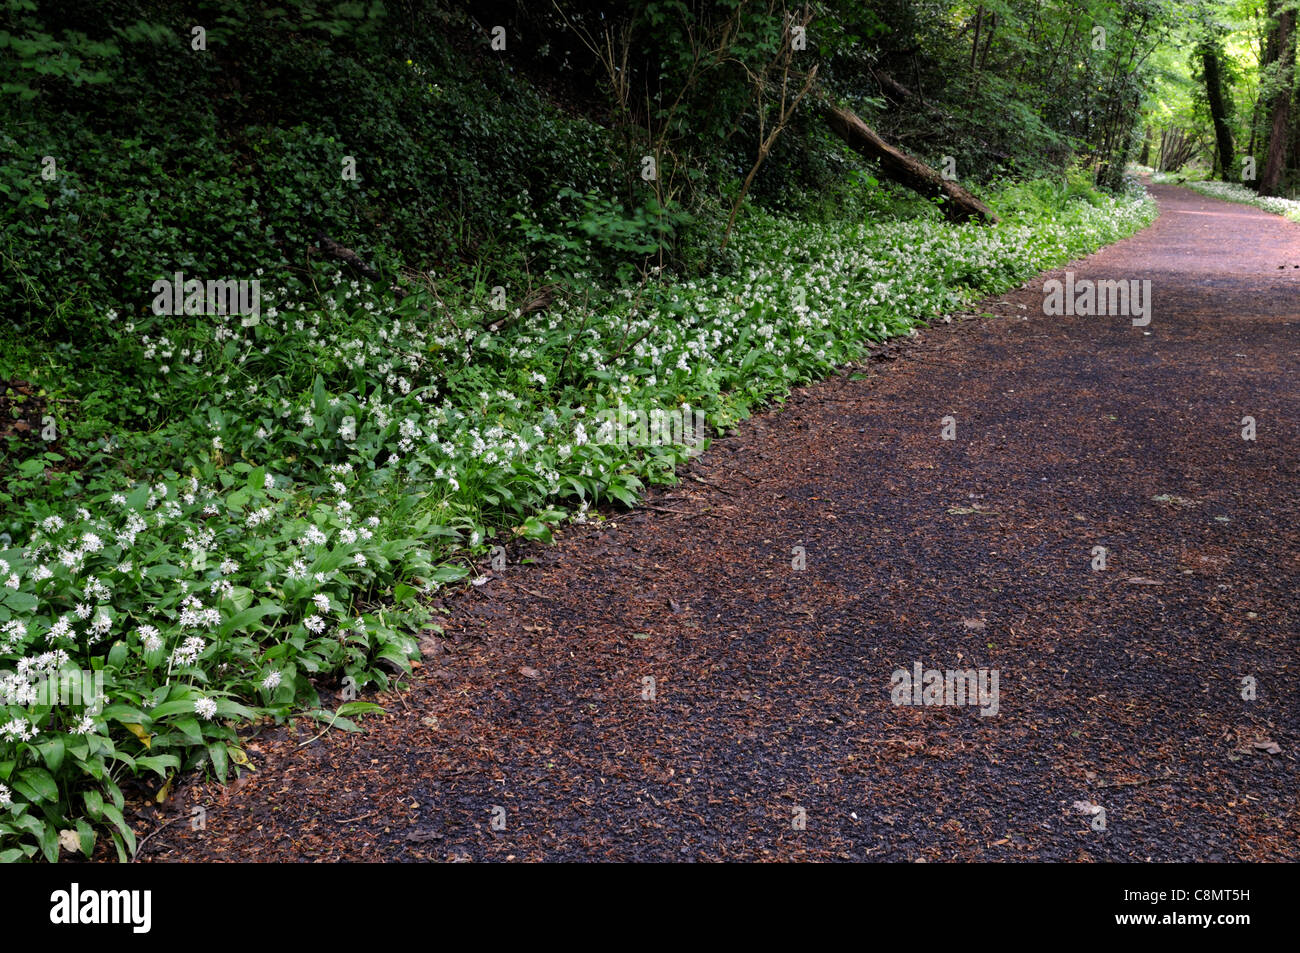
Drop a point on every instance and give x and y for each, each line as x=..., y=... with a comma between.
x=898, y=166
x=332, y=249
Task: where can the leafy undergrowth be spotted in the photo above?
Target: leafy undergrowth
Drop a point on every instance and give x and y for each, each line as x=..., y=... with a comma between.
x=270, y=499
x=1233, y=192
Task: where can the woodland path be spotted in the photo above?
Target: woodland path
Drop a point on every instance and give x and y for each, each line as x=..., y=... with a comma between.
x=1120, y=688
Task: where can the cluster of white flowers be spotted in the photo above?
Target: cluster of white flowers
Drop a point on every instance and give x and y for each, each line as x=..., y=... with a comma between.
x=258, y=516
x=195, y=616
x=12, y=634
x=149, y=638
x=19, y=729
x=313, y=537
x=189, y=651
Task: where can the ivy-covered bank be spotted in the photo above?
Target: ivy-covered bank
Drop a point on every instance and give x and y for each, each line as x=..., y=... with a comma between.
x=306, y=476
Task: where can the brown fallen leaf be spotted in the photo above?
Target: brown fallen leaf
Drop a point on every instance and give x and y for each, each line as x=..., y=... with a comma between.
x=420, y=837
x=529, y=672
x=1143, y=581
x=1268, y=745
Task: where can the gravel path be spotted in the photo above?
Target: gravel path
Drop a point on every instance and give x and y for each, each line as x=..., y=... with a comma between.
x=771, y=733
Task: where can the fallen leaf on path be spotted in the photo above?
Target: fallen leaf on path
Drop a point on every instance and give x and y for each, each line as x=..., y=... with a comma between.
x=420, y=837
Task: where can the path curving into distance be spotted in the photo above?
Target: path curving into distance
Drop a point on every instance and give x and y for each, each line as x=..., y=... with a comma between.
x=1119, y=689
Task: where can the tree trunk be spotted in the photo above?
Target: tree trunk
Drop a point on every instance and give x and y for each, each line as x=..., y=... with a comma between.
x=988, y=39
x=1277, y=139
x=1218, y=111
x=898, y=166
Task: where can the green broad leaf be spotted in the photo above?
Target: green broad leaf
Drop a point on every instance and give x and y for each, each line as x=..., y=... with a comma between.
x=360, y=708
x=227, y=708
x=38, y=782
x=330, y=561
x=319, y=399
x=52, y=752
x=245, y=618
x=160, y=764
x=23, y=603
x=28, y=823
x=190, y=727
x=117, y=654
x=220, y=762
x=50, y=842
x=87, y=835
x=125, y=713
x=396, y=656
x=94, y=803
x=333, y=719
x=175, y=707
x=241, y=597
x=115, y=816
x=534, y=528
x=445, y=574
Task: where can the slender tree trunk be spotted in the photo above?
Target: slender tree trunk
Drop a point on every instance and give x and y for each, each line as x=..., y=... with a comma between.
x=988, y=40
x=1254, y=128
x=1281, y=107
x=1218, y=111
